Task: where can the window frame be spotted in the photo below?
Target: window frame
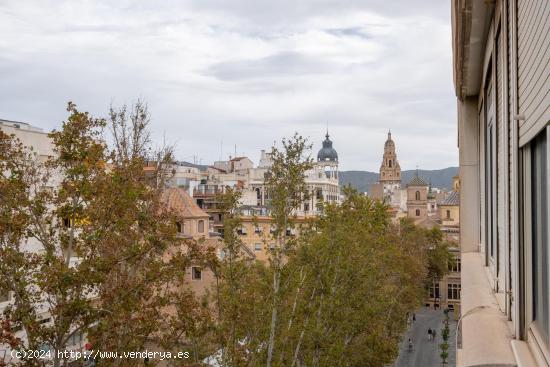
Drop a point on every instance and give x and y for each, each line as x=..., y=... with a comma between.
x=533, y=335
x=194, y=275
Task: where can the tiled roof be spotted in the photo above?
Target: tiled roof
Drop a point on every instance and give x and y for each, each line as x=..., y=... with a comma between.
x=179, y=200
x=452, y=199
x=417, y=181
x=427, y=222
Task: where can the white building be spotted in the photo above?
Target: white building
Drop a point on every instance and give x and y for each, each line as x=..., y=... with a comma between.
x=501, y=51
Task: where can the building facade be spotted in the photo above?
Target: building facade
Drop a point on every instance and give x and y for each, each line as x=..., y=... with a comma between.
x=417, y=199
x=501, y=71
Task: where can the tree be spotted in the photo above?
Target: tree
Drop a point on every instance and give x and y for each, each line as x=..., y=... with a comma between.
x=109, y=263
x=286, y=186
x=56, y=278
x=355, y=282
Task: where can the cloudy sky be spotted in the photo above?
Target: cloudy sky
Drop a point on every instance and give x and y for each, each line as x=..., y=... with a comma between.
x=220, y=73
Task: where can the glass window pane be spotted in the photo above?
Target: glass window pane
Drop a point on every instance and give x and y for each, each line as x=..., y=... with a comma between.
x=539, y=213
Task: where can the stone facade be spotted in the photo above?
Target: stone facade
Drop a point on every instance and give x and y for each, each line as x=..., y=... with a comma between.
x=417, y=199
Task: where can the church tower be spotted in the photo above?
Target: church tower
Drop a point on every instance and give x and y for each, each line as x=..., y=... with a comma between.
x=390, y=171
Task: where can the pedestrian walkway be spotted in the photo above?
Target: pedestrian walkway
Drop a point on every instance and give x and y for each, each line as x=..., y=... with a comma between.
x=426, y=352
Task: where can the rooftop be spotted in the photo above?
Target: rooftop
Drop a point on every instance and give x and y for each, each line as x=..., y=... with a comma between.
x=178, y=199
x=417, y=181
x=453, y=199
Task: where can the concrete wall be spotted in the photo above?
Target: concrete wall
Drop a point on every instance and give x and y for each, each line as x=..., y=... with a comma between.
x=468, y=141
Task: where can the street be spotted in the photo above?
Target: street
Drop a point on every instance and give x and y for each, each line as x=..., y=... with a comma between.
x=425, y=353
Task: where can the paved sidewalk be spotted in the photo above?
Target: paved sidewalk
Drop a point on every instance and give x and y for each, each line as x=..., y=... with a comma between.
x=425, y=353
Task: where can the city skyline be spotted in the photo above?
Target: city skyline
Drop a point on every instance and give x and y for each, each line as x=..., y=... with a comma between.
x=244, y=74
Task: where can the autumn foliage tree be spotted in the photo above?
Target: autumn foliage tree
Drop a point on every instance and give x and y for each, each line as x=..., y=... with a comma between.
x=107, y=261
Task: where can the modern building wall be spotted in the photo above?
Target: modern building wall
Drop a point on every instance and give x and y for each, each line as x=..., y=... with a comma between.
x=501, y=53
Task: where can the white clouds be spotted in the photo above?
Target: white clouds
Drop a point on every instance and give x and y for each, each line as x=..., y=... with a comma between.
x=247, y=74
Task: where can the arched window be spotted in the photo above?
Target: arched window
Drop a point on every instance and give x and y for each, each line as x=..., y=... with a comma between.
x=179, y=227
x=390, y=163
x=417, y=195
x=418, y=212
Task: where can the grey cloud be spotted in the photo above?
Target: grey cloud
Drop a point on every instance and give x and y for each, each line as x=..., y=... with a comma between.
x=179, y=57
x=349, y=32
x=281, y=64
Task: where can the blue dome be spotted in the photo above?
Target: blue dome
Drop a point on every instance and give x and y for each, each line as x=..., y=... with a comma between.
x=327, y=153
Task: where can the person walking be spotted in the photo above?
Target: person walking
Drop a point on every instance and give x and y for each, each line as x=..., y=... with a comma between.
x=429, y=334
x=410, y=345
x=414, y=317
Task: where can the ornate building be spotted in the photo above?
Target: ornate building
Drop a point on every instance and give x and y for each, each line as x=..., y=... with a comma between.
x=321, y=180
x=390, y=171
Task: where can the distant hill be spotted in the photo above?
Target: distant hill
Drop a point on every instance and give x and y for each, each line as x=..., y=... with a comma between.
x=361, y=180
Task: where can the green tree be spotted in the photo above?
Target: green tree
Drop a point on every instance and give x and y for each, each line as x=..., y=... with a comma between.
x=287, y=188
x=110, y=264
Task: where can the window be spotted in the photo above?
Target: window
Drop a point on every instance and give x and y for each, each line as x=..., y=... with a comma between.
x=179, y=227
x=241, y=231
x=272, y=246
x=319, y=194
x=448, y=214
x=453, y=291
x=455, y=265
x=434, y=290
x=66, y=222
x=4, y=296
x=75, y=339
x=540, y=287
x=196, y=273
x=258, y=247
x=45, y=320
x=257, y=229
x=306, y=207
x=418, y=212
x=417, y=195
x=201, y=226
x=390, y=163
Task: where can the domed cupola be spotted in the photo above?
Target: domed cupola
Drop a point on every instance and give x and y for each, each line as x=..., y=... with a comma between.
x=327, y=153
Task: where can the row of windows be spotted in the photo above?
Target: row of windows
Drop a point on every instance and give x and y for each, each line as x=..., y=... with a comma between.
x=260, y=246
x=453, y=291
x=533, y=220
x=180, y=228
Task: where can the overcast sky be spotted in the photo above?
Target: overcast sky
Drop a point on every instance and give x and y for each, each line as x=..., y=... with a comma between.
x=242, y=72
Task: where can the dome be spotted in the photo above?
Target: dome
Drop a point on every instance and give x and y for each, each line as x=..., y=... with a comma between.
x=327, y=153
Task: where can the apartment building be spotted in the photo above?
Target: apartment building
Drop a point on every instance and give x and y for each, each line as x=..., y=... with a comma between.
x=501, y=58
x=35, y=137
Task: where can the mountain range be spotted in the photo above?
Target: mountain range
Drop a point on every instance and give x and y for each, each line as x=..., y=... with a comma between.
x=361, y=180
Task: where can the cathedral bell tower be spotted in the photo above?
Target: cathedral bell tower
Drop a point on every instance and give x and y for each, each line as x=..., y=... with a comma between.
x=390, y=171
